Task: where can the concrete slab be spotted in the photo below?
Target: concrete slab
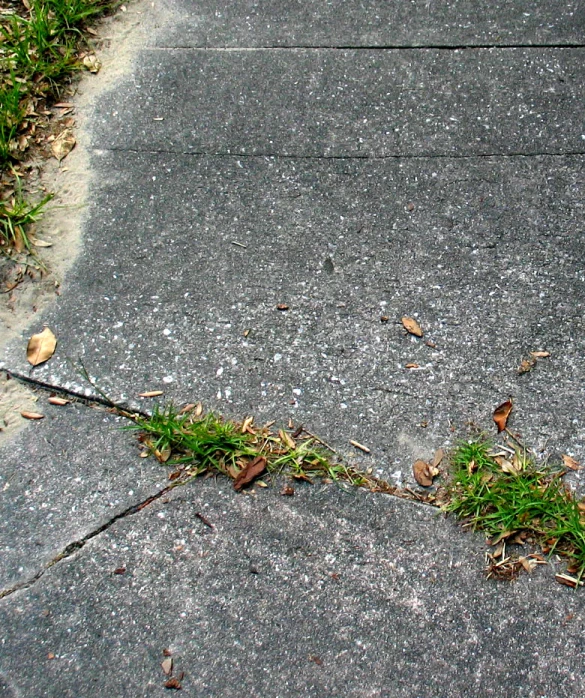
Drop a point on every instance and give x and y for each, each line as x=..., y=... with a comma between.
x=332, y=103
x=61, y=479
x=324, y=593
x=486, y=253
x=377, y=23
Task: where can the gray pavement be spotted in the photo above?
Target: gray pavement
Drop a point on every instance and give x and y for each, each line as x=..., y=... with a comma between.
x=362, y=178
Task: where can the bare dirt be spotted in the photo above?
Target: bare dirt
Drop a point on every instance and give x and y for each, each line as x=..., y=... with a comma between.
x=117, y=46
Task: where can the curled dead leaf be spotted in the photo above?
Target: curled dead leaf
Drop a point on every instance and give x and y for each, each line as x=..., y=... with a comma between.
x=31, y=415
x=249, y=472
x=41, y=347
x=286, y=439
x=92, y=63
x=540, y=354
x=167, y=666
x=570, y=463
x=438, y=457
x=163, y=454
x=287, y=491
x=501, y=415
x=41, y=243
x=527, y=365
x=412, y=326
x=422, y=473
x=282, y=306
x=568, y=581
x=151, y=393
x=412, y=366
x=63, y=144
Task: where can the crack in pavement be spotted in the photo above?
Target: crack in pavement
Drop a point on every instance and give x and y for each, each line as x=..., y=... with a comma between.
x=372, y=47
x=73, y=547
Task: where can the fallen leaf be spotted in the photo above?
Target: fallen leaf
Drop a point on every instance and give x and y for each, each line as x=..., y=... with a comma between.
x=384, y=318
x=167, y=653
x=32, y=415
x=282, y=306
x=540, y=354
x=163, y=455
x=528, y=565
x=151, y=393
x=568, y=581
x=41, y=347
x=64, y=105
x=262, y=484
x=54, y=400
x=422, y=473
x=507, y=466
x=287, y=491
x=361, y=447
x=187, y=408
x=501, y=415
x=438, y=457
x=50, y=656
x=252, y=470
x=41, y=243
x=581, y=506
x=527, y=365
x=286, y=439
x=173, y=683
x=167, y=666
x=120, y=570
x=317, y=660
x=412, y=366
x=412, y=326
x=570, y=463
x=92, y=63
x=63, y=144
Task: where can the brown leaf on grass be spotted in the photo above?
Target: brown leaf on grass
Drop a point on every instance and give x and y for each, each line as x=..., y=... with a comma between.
x=151, y=393
x=570, y=463
x=412, y=326
x=163, y=455
x=501, y=415
x=422, y=473
x=31, y=415
x=55, y=400
x=167, y=666
x=63, y=144
x=41, y=347
x=286, y=439
x=252, y=470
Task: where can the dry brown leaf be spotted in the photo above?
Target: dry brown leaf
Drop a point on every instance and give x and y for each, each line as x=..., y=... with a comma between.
x=527, y=365
x=198, y=411
x=247, y=425
x=422, y=473
x=282, y=306
x=501, y=415
x=41, y=347
x=252, y=470
x=32, y=415
x=92, y=63
x=568, y=581
x=173, y=683
x=528, y=565
x=412, y=366
x=570, y=463
x=438, y=457
x=151, y=393
x=361, y=447
x=167, y=666
x=54, y=400
x=581, y=506
x=287, y=491
x=540, y=354
x=63, y=144
x=507, y=466
x=41, y=243
x=187, y=408
x=163, y=455
x=287, y=440
x=412, y=326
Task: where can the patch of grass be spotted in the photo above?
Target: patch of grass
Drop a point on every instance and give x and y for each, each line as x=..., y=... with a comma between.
x=17, y=216
x=506, y=495
x=42, y=43
x=206, y=443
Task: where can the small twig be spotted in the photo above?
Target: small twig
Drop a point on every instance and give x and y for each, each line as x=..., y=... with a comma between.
x=204, y=520
x=239, y=244
x=323, y=443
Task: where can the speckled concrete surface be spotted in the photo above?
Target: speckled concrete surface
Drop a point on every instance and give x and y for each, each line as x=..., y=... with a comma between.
x=62, y=478
x=321, y=594
x=350, y=185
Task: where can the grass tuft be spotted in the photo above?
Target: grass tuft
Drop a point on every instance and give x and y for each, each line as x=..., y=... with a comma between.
x=510, y=498
x=207, y=443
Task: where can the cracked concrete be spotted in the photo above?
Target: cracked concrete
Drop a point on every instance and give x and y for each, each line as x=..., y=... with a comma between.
x=352, y=183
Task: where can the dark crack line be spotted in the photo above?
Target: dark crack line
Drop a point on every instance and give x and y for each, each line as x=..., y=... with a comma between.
x=91, y=401
x=374, y=47
x=77, y=545
x=286, y=156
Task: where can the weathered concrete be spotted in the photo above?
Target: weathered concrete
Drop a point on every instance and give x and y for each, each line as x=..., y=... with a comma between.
x=324, y=593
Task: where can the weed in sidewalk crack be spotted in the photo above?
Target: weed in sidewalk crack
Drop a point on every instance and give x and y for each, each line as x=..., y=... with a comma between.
x=514, y=500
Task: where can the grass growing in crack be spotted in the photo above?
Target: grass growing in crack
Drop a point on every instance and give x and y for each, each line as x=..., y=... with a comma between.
x=506, y=495
x=17, y=216
x=42, y=44
x=206, y=443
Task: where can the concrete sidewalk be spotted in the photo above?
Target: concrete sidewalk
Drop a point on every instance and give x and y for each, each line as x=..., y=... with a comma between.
x=354, y=163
